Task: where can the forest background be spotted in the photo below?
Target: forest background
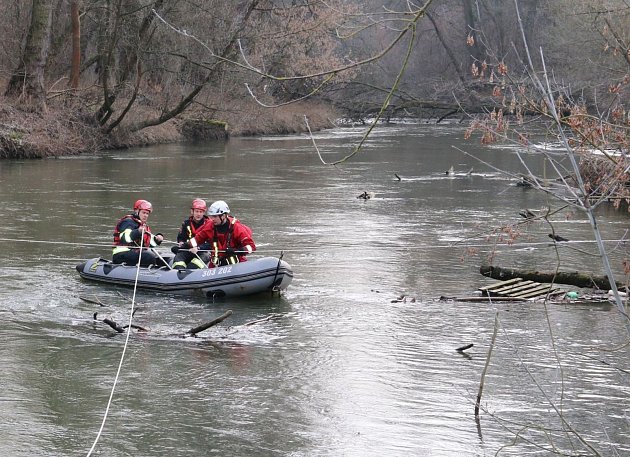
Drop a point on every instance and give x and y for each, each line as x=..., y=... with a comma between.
x=84, y=75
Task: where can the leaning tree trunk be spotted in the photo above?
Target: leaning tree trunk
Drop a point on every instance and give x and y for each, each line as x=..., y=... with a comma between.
x=27, y=81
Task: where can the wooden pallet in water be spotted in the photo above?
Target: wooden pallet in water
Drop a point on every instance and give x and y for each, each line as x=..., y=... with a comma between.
x=517, y=288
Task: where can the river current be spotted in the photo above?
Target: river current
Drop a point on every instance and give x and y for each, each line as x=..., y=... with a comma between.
x=357, y=357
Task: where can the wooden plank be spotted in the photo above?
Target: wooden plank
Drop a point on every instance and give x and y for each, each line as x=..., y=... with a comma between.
x=542, y=290
x=487, y=299
x=513, y=290
x=525, y=288
x=552, y=293
x=538, y=287
x=537, y=294
x=510, y=286
x=499, y=284
x=518, y=286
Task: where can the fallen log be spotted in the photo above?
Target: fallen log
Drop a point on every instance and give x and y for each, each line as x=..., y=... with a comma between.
x=562, y=277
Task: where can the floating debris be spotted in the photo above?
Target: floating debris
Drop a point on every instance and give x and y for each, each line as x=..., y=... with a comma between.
x=366, y=195
x=527, y=214
x=557, y=237
x=404, y=299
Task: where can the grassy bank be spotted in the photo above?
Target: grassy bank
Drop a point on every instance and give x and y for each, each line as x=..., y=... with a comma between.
x=66, y=130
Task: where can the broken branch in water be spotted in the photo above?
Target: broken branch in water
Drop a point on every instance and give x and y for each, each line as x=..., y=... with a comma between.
x=114, y=325
x=485, y=368
x=207, y=325
x=264, y=319
x=118, y=328
x=96, y=302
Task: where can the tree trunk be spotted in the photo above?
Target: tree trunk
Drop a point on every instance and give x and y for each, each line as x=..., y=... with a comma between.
x=572, y=278
x=27, y=81
x=108, y=36
x=76, y=44
x=451, y=55
x=530, y=19
x=472, y=28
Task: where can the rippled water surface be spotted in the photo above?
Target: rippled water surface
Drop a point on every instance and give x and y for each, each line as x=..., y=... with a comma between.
x=342, y=366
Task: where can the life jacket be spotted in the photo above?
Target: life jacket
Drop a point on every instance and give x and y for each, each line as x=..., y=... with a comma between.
x=190, y=227
x=217, y=256
x=120, y=245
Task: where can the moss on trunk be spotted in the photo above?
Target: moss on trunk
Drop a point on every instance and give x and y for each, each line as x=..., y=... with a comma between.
x=204, y=130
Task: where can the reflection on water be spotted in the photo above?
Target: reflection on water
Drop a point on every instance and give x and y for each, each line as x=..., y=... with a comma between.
x=342, y=368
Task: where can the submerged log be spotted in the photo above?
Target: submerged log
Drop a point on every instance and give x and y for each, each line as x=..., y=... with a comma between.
x=562, y=277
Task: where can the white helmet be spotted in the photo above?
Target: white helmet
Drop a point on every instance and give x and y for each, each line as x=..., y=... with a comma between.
x=217, y=208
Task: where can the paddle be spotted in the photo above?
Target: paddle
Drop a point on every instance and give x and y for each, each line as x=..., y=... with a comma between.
x=161, y=258
x=176, y=249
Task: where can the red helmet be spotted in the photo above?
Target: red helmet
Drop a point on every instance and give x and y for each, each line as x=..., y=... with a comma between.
x=142, y=204
x=198, y=203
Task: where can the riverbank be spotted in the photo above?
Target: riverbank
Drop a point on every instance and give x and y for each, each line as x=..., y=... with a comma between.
x=62, y=130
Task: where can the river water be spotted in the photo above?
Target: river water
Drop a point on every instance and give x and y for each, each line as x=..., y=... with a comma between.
x=344, y=367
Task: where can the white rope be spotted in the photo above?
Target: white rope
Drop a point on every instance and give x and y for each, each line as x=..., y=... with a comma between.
x=55, y=242
x=122, y=356
x=109, y=245
x=461, y=243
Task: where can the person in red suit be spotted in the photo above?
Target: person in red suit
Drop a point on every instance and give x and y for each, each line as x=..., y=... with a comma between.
x=190, y=227
x=230, y=240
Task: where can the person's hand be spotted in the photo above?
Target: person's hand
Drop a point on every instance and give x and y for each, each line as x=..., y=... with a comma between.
x=229, y=252
x=194, y=250
x=175, y=249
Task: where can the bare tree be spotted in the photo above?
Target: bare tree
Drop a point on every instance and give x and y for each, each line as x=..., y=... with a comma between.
x=27, y=81
x=242, y=13
x=75, y=66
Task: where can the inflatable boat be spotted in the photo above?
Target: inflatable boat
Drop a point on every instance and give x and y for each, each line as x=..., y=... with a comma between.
x=266, y=274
